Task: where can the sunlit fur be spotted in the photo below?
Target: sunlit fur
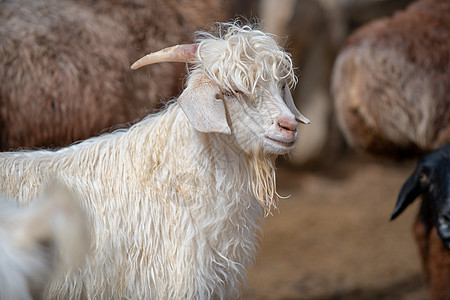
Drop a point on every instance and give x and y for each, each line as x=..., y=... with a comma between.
x=174, y=212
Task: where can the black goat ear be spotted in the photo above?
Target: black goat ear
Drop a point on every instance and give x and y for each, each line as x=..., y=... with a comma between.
x=410, y=191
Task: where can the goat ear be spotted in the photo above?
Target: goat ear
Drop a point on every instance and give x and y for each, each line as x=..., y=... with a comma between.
x=410, y=191
x=290, y=104
x=202, y=107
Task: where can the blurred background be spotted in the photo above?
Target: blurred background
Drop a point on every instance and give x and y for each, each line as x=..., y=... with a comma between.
x=331, y=238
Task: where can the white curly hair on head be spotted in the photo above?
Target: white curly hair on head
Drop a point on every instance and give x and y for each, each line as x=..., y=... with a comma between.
x=245, y=57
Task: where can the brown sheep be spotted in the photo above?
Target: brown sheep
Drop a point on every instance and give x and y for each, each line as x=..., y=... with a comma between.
x=391, y=88
x=64, y=66
x=61, y=79
x=391, y=82
x=156, y=24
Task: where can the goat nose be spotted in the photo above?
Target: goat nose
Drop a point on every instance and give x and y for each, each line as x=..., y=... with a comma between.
x=287, y=124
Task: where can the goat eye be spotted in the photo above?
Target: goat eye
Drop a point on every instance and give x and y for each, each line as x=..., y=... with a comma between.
x=232, y=93
x=423, y=177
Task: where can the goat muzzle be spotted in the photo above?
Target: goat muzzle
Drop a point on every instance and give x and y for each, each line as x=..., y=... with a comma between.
x=180, y=53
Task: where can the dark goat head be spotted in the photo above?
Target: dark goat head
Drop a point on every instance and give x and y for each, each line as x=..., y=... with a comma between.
x=431, y=178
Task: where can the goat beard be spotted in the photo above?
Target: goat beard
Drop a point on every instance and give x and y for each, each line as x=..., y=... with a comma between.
x=263, y=180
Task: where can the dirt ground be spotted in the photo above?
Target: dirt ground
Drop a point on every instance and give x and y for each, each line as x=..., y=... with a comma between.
x=332, y=238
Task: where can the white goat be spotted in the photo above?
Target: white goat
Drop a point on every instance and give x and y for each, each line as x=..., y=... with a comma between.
x=174, y=200
x=39, y=242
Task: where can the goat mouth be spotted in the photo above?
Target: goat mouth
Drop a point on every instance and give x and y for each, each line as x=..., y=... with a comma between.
x=288, y=143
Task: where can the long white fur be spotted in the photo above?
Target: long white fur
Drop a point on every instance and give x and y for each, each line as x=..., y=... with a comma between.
x=173, y=212
x=243, y=57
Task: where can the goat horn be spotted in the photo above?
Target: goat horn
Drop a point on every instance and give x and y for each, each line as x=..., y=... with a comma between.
x=179, y=53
